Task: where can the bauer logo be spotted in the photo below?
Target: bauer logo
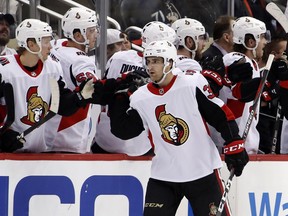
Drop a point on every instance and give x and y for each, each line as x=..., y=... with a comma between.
x=268, y=204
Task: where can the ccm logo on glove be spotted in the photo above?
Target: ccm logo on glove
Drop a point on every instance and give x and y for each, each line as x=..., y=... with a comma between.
x=234, y=147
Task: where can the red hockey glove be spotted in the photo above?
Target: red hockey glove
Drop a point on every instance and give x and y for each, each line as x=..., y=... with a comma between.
x=9, y=141
x=236, y=156
x=238, y=72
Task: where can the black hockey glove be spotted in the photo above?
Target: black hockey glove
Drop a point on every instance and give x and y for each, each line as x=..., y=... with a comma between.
x=279, y=69
x=238, y=71
x=235, y=156
x=270, y=92
x=9, y=141
x=104, y=91
x=213, y=70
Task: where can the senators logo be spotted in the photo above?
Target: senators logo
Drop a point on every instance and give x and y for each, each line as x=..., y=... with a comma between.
x=174, y=130
x=36, y=107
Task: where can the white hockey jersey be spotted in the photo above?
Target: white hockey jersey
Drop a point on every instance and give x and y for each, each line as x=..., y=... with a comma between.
x=31, y=96
x=70, y=134
x=188, y=65
x=183, y=149
x=122, y=62
x=8, y=51
x=119, y=63
x=241, y=110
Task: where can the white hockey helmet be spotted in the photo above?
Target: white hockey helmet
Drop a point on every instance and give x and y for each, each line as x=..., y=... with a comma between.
x=249, y=25
x=189, y=27
x=78, y=18
x=164, y=49
x=32, y=28
x=155, y=31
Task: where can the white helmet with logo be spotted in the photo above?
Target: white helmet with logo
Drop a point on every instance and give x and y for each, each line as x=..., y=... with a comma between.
x=164, y=49
x=189, y=27
x=248, y=25
x=155, y=31
x=32, y=28
x=78, y=18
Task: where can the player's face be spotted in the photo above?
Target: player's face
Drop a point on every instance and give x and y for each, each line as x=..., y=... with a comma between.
x=91, y=35
x=155, y=67
x=4, y=33
x=46, y=47
x=260, y=48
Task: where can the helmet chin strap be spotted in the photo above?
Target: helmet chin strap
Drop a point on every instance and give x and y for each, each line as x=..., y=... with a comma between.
x=85, y=43
x=193, y=52
x=163, y=75
x=37, y=53
x=252, y=49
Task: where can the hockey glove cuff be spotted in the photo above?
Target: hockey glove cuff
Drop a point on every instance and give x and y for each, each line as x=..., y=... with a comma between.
x=214, y=79
x=236, y=156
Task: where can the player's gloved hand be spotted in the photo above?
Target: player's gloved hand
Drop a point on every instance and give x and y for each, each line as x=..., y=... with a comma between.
x=214, y=80
x=213, y=70
x=270, y=92
x=138, y=76
x=239, y=71
x=279, y=69
x=104, y=91
x=235, y=156
x=84, y=92
x=9, y=141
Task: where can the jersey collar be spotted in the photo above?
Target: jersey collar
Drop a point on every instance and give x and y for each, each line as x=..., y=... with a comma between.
x=155, y=89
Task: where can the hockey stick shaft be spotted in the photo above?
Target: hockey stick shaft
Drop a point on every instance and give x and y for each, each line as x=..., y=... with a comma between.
x=278, y=15
x=257, y=97
x=10, y=107
x=246, y=130
x=225, y=194
x=55, y=99
x=276, y=128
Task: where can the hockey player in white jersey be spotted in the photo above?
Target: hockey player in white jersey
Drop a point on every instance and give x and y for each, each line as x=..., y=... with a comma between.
x=70, y=134
x=29, y=74
x=191, y=41
x=171, y=110
x=120, y=63
x=250, y=38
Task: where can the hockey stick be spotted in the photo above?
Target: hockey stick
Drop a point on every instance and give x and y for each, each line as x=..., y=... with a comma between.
x=276, y=128
x=55, y=98
x=246, y=130
x=225, y=194
x=277, y=13
x=258, y=96
x=9, y=100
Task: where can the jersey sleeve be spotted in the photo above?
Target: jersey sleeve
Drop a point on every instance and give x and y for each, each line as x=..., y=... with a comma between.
x=82, y=69
x=215, y=112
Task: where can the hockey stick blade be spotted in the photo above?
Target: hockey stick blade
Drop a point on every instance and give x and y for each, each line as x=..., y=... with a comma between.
x=258, y=96
x=54, y=106
x=277, y=13
x=225, y=194
x=10, y=107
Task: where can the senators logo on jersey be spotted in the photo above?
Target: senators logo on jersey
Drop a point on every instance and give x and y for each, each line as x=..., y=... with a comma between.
x=174, y=130
x=36, y=107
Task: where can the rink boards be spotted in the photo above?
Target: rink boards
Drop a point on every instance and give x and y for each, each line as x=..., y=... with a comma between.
x=106, y=185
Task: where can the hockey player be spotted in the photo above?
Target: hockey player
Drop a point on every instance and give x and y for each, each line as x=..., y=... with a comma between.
x=121, y=63
x=29, y=74
x=6, y=20
x=70, y=134
x=171, y=110
x=191, y=41
x=250, y=38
